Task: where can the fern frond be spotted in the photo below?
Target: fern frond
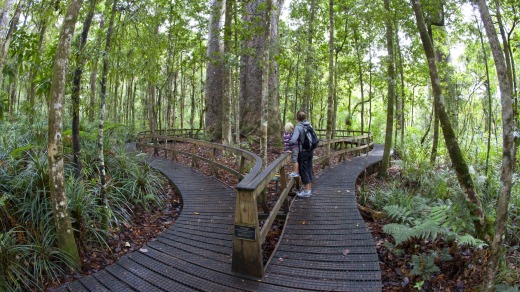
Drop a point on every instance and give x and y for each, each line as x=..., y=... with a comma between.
x=428, y=230
x=398, y=214
x=468, y=239
x=401, y=233
x=439, y=214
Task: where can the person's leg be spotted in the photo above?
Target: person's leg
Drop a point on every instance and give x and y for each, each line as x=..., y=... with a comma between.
x=305, y=167
x=295, y=167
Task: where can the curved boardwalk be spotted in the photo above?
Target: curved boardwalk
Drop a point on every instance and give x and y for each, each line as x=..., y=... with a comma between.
x=326, y=245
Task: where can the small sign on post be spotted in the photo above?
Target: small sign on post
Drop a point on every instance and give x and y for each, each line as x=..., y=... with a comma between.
x=245, y=232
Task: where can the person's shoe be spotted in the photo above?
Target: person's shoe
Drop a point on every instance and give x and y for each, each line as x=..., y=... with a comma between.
x=304, y=194
x=294, y=174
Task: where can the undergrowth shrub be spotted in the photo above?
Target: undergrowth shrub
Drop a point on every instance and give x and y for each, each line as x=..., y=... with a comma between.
x=29, y=258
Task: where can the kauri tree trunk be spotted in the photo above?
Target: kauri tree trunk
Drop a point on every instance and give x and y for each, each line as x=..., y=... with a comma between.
x=214, y=74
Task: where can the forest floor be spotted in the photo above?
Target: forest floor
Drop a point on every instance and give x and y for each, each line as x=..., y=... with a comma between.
x=463, y=273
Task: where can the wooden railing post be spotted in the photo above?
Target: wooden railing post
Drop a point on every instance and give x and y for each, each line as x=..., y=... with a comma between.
x=241, y=164
x=247, y=248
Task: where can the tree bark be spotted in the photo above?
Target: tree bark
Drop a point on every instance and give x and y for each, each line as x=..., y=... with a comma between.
x=275, y=126
x=64, y=231
x=214, y=74
x=101, y=154
x=330, y=93
x=76, y=87
x=10, y=28
x=227, y=86
x=309, y=62
x=251, y=72
x=508, y=148
x=455, y=153
x=391, y=85
x=265, y=82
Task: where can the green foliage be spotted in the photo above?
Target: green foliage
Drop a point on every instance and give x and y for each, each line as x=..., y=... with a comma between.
x=31, y=258
x=14, y=270
x=138, y=180
x=424, y=265
x=426, y=225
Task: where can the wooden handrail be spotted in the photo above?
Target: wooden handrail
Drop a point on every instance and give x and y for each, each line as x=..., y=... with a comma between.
x=248, y=236
x=166, y=141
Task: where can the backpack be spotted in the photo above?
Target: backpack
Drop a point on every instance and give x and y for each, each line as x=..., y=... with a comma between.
x=310, y=139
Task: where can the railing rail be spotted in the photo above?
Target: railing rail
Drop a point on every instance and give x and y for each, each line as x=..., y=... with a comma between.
x=249, y=236
x=172, y=144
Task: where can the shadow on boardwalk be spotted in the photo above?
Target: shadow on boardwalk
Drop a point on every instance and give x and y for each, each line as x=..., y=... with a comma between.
x=326, y=246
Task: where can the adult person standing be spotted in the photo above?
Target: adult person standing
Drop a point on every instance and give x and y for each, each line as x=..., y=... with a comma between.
x=304, y=155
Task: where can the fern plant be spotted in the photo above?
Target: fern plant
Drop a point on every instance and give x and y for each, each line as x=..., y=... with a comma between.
x=435, y=224
x=424, y=265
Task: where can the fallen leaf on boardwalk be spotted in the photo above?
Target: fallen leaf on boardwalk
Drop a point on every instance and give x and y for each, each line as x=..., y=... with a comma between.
x=346, y=252
x=143, y=250
x=280, y=260
x=127, y=244
x=304, y=223
x=196, y=213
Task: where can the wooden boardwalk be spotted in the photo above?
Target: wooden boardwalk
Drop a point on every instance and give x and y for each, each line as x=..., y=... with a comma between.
x=326, y=246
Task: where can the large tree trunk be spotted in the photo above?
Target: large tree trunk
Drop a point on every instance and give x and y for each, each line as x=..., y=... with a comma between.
x=275, y=126
x=214, y=74
x=508, y=151
x=391, y=85
x=457, y=159
x=251, y=72
x=76, y=87
x=64, y=231
x=101, y=154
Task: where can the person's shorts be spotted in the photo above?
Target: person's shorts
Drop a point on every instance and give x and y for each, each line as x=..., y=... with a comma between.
x=295, y=154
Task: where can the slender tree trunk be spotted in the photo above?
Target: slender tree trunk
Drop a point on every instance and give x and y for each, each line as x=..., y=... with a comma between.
x=101, y=154
x=4, y=18
x=309, y=61
x=32, y=75
x=76, y=87
x=265, y=83
x=488, y=91
x=9, y=35
x=64, y=231
x=391, y=82
x=214, y=74
x=435, y=142
x=457, y=159
x=92, y=101
x=227, y=86
x=360, y=73
x=236, y=84
x=330, y=93
x=401, y=106
x=508, y=148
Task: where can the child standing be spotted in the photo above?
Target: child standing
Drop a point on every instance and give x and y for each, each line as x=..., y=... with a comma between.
x=289, y=129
